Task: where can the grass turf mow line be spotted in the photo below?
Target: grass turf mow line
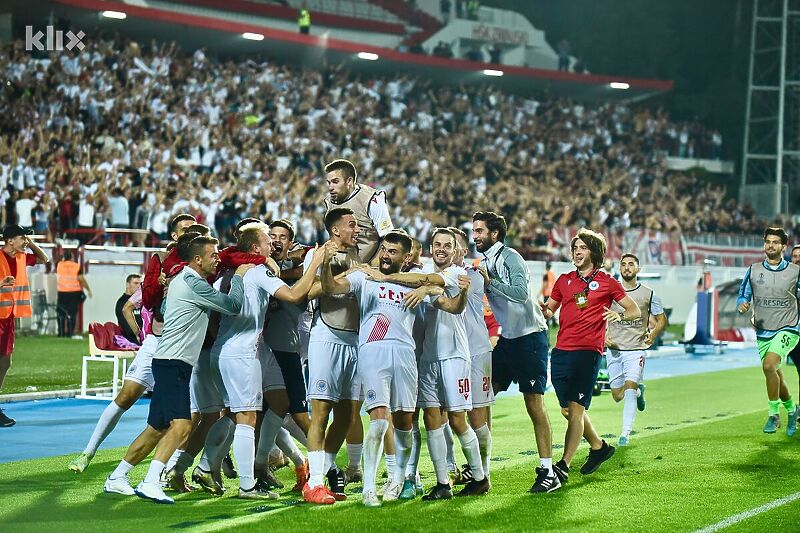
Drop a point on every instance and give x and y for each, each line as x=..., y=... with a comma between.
x=741, y=517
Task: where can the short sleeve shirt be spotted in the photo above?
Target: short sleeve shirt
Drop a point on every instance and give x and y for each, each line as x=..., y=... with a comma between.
x=384, y=318
x=584, y=329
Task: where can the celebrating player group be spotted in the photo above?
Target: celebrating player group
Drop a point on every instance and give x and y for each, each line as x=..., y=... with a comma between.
x=267, y=343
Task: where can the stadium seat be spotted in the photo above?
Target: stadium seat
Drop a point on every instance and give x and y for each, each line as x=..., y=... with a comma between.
x=103, y=349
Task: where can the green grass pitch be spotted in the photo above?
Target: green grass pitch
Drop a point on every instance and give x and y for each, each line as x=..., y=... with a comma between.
x=698, y=457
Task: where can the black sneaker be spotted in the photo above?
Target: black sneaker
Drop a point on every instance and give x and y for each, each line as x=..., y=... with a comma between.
x=335, y=480
x=439, y=492
x=561, y=470
x=265, y=476
x=596, y=458
x=474, y=488
x=5, y=420
x=545, y=481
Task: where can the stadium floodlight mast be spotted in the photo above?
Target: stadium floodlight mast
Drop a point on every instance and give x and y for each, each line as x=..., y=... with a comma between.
x=253, y=36
x=619, y=85
x=114, y=15
x=369, y=56
x=491, y=72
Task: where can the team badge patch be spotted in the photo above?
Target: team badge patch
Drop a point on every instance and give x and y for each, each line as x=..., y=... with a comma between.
x=132, y=368
x=322, y=386
x=593, y=286
x=371, y=395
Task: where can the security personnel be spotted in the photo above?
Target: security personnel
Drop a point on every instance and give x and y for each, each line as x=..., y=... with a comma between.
x=304, y=20
x=71, y=284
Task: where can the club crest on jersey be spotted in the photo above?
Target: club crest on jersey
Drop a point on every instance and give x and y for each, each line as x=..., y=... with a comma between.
x=371, y=395
x=760, y=280
x=391, y=295
x=322, y=386
x=593, y=286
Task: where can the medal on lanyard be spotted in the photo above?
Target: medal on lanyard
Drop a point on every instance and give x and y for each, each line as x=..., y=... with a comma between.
x=582, y=298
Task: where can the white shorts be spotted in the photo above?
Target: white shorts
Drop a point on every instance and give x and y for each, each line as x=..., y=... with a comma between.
x=141, y=369
x=205, y=389
x=271, y=374
x=242, y=380
x=332, y=372
x=388, y=376
x=445, y=384
x=482, y=393
x=625, y=366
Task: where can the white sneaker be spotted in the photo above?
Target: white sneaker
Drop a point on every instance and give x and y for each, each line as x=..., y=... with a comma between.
x=370, y=499
x=258, y=492
x=119, y=485
x=153, y=492
x=391, y=491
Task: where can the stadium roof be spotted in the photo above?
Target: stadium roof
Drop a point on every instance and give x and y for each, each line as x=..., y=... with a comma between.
x=225, y=38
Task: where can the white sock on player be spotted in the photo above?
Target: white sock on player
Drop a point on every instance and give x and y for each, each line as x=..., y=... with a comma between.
x=173, y=460
x=244, y=449
x=184, y=461
x=548, y=464
x=403, y=440
x=413, y=460
x=295, y=431
x=123, y=468
x=285, y=442
x=217, y=444
x=391, y=464
x=629, y=410
x=469, y=445
x=485, y=445
x=154, y=472
x=105, y=425
x=316, y=468
x=270, y=426
x=448, y=439
x=373, y=448
x=354, y=454
x=330, y=461
x=437, y=448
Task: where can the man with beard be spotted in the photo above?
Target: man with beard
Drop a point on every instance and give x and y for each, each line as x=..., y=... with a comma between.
x=386, y=361
x=332, y=363
x=628, y=342
x=585, y=296
x=772, y=286
x=521, y=351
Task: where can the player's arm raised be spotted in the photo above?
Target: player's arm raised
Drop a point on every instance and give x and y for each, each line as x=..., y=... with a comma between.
x=331, y=284
x=299, y=291
x=458, y=303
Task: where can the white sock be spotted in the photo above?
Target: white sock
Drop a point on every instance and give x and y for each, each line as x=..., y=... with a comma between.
x=289, y=448
x=184, y=461
x=469, y=445
x=437, y=448
x=403, y=440
x=373, y=448
x=173, y=460
x=448, y=439
x=122, y=470
x=105, y=425
x=330, y=462
x=154, y=472
x=217, y=444
x=244, y=449
x=270, y=427
x=390, y=465
x=485, y=445
x=295, y=431
x=628, y=410
x=354, y=454
x=413, y=460
x=204, y=463
x=316, y=468
x=548, y=464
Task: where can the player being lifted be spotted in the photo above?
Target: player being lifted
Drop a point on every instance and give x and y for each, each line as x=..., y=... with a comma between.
x=628, y=342
x=770, y=288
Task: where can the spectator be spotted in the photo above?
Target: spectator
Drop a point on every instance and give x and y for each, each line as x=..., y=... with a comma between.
x=71, y=285
x=120, y=213
x=495, y=53
x=475, y=54
x=473, y=7
x=460, y=9
x=563, y=50
x=24, y=207
x=304, y=20
x=444, y=7
x=132, y=284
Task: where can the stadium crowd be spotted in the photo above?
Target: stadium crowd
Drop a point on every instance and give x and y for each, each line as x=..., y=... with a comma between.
x=125, y=135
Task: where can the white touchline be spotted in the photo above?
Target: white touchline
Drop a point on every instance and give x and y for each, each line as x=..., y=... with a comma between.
x=735, y=519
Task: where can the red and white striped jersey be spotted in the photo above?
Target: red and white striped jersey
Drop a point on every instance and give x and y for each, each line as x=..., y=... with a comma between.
x=383, y=316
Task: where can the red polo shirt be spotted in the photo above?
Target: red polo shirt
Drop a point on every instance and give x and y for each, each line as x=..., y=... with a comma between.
x=584, y=329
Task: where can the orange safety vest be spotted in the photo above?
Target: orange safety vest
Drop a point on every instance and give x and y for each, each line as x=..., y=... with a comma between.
x=67, y=274
x=16, y=299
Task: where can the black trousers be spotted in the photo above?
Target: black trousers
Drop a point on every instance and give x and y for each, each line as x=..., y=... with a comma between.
x=68, y=305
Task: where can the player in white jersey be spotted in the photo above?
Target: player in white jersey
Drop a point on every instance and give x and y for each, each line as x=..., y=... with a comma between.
x=386, y=360
x=480, y=349
x=139, y=377
x=332, y=361
x=627, y=344
x=237, y=350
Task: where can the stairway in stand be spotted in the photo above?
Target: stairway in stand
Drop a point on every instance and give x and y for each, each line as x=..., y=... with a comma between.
x=412, y=17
